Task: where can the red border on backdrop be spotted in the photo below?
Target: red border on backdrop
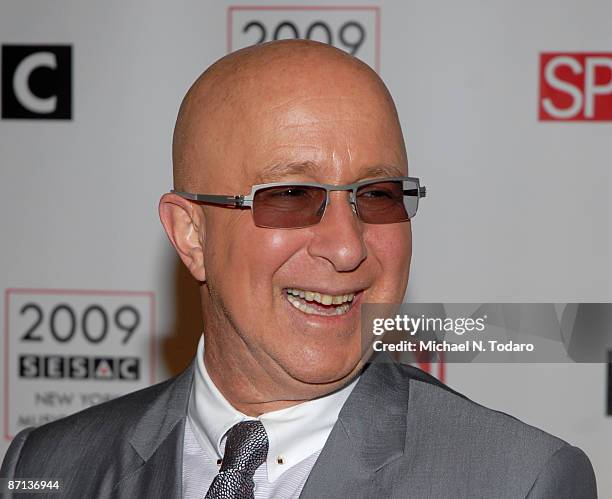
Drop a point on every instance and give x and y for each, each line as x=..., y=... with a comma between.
x=375, y=9
x=80, y=292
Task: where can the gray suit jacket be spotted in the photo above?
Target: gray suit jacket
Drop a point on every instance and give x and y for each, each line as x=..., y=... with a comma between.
x=400, y=434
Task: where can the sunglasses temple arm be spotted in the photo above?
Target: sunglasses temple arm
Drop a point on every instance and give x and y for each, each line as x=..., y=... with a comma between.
x=237, y=201
x=421, y=192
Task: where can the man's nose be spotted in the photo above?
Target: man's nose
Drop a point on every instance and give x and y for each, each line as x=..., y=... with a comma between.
x=338, y=237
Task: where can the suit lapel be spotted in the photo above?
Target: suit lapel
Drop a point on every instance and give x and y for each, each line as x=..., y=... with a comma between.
x=157, y=443
x=370, y=434
x=161, y=474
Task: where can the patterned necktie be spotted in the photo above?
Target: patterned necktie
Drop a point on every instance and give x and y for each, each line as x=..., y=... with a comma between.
x=246, y=449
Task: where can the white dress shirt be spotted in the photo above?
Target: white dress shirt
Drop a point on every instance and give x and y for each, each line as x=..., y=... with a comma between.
x=296, y=436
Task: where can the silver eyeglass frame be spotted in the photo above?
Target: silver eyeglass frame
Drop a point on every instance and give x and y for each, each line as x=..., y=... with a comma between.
x=246, y=201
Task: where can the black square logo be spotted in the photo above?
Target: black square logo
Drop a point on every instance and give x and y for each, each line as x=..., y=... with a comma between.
x=37, y=82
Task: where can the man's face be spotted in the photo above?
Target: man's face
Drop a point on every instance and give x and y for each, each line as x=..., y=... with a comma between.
x=339, y=137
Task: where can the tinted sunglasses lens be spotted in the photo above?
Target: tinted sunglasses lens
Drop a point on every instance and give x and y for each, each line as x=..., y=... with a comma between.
x=288, y=207
x=387, y=202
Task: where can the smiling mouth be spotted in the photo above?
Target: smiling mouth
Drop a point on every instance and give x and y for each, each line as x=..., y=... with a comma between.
x=315, y=303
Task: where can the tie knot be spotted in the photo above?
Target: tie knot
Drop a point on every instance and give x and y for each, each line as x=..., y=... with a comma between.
x=246, y=447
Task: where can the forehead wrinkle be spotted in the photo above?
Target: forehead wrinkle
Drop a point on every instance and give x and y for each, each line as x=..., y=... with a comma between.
x=316, y=120
x=279, y=171
x=300, y=97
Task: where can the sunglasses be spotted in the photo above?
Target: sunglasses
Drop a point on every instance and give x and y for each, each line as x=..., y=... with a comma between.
x=294, y=205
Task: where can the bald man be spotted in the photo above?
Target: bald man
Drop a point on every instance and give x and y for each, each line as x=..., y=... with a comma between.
x=291, y=207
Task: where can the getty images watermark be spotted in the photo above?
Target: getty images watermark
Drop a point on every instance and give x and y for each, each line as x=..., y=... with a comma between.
x=489, y=332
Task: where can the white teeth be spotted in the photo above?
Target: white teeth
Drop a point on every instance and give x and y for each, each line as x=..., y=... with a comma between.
x=298, y=297
x=307, y=309
x=321, y=298
x=326, y=299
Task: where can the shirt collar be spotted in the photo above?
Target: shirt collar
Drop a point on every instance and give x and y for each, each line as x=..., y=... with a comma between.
x=294, y=433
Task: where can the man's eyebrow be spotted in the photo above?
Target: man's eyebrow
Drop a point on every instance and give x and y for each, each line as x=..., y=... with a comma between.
x=279, y=171
x=383, y=171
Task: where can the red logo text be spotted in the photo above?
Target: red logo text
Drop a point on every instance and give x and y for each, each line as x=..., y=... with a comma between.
x=575, y=87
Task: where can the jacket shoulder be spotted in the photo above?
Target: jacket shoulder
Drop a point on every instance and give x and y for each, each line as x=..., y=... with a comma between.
x=487, y=449
x=471, y=419
x=93, y=437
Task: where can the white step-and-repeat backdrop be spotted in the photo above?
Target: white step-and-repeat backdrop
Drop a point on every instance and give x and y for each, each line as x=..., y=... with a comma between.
x=507, y=113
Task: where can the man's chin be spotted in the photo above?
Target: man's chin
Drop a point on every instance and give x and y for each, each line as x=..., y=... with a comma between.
x=325, y=375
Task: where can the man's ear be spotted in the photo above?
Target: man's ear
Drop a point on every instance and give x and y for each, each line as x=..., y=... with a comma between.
x=182, y=222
